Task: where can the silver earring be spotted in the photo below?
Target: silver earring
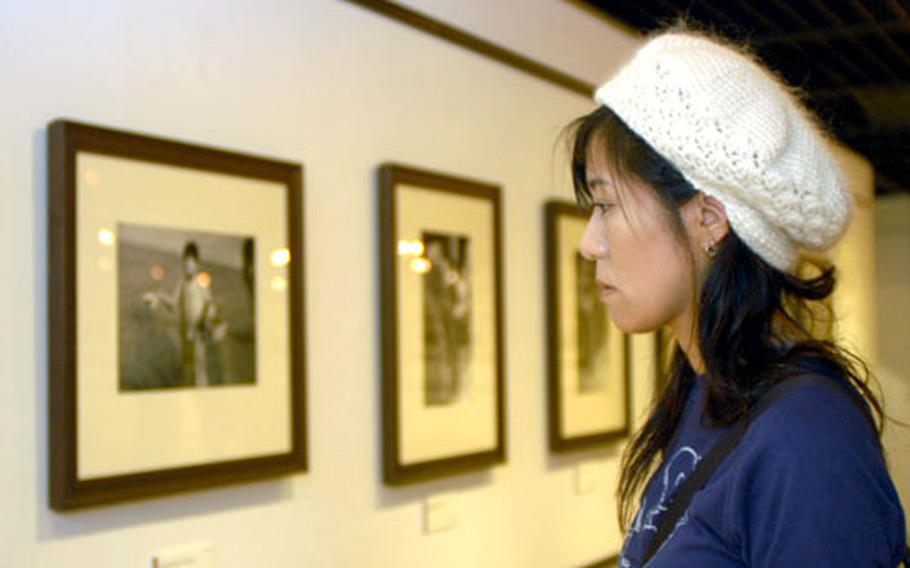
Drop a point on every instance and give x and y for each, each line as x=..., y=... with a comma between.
x=711, y=250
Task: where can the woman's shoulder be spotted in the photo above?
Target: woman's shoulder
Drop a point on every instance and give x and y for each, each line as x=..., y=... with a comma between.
x=810, y=478
x=812, y=444
x=820, y=418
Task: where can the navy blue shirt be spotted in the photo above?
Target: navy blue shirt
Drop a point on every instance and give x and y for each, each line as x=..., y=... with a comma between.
x=806, y=486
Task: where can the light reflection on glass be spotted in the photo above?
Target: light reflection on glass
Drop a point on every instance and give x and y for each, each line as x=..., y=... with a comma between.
x=281, y=257
x=106, y=237
x=421, y=265
x=410, y=248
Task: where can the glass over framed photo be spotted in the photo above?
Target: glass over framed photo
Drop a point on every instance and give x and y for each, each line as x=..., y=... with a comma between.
x=176, y=316
x=588, y=356
x=442, y=359
x=664, y=351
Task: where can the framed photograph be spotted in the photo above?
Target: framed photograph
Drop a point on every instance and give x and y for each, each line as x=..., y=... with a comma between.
x=442, y=347
x=176, y=316
x=589, y=363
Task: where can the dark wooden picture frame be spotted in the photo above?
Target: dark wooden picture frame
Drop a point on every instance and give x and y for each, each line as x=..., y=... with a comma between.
x=664, y=350
x=556, y=259
x=71, y=144
x=400, y=186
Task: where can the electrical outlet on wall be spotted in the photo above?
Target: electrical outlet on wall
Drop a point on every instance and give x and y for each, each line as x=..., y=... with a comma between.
x=190, y=556
x=439, y=513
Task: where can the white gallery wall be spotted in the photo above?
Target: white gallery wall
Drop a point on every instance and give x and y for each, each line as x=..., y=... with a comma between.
x=341, y=90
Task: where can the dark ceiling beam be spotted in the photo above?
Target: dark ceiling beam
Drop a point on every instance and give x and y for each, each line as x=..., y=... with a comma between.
x=670, y=7
x=842, y=32
x=770, y=24
x=881, y=33
x=885, y=186
x=885, y=140
x=635, y=11
x=858, y=43
x=890, y=167
x=721, y=16
x=889, y=164
x=899, y=10
x=844, y=90
x=891, y=171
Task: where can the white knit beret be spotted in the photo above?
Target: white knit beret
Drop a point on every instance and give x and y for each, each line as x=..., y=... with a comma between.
x=736, y=133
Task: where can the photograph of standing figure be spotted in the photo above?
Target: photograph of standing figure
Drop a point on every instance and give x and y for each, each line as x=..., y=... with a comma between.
x=185, y=321
x=447, y=318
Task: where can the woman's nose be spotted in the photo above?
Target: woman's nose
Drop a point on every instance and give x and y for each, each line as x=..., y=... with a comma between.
x=593, y=244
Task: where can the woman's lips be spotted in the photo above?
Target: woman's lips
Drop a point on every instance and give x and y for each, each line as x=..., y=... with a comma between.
x=606, y=290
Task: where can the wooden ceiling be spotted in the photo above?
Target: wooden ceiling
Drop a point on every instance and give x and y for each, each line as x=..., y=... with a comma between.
x=851, y=57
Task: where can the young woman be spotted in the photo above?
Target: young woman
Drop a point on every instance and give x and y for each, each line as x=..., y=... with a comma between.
x=708, y=182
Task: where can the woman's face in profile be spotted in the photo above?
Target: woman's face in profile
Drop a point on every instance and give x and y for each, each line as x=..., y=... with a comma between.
x=643, y=272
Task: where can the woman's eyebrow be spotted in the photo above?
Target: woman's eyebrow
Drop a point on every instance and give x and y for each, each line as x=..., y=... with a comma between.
x=598, y=182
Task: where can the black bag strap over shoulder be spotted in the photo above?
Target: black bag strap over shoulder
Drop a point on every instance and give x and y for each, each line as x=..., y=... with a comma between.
x=706, y=468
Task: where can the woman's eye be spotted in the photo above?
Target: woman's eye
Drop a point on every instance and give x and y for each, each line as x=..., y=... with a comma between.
x=601, y=207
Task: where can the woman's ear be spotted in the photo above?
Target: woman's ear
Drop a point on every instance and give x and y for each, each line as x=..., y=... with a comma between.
x=712, y=219
x=706, y=222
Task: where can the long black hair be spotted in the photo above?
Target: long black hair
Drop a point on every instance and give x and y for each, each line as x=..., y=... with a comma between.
x=754, y=322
